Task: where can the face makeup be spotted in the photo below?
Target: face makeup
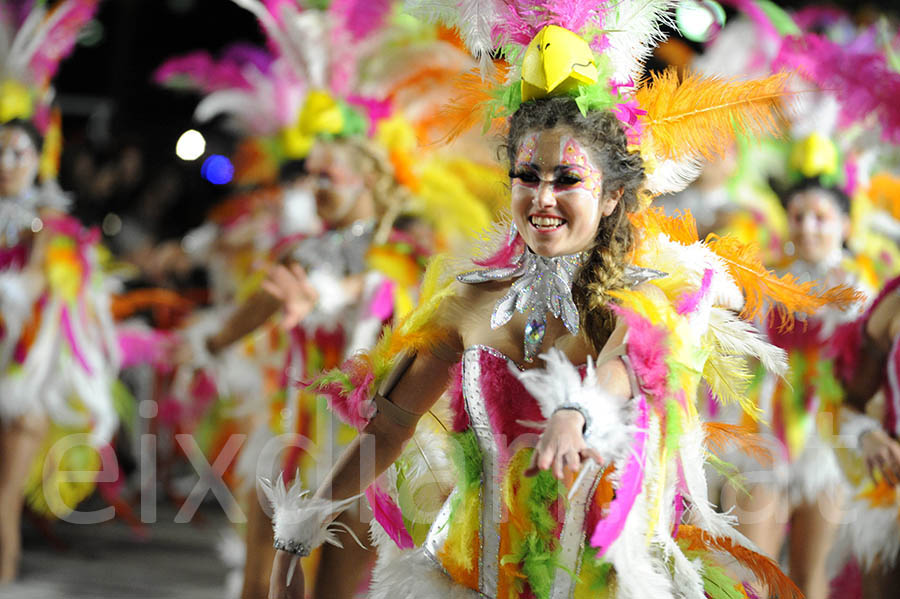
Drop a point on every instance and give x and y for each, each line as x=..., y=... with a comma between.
x=19, y=162
x=557, y=193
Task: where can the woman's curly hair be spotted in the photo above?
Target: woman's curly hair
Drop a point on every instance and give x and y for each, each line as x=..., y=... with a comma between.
x=604, y=137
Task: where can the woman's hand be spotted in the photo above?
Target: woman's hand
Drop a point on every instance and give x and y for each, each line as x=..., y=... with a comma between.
x=284, y=584
x=292, y=287
x=562, y=445
x=881, y=453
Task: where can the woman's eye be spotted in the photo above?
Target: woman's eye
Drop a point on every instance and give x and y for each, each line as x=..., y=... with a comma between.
x=525, y=176
x=568, y=180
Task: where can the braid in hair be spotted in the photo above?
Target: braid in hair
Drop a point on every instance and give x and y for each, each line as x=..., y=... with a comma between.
x=604, y=138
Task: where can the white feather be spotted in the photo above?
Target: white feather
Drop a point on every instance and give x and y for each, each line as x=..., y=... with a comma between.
x=869, y=534
x=476, y=18
x=634, y=28
x=639, y=573
x=670, y=175
x=686, y=574
x=445, y=12
x=736, y=336
x=412, y=575
x=301, y=519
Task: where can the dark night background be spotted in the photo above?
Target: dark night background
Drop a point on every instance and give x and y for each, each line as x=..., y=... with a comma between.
x=117, y=121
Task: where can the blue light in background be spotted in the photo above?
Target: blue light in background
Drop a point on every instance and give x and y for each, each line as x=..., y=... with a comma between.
x=217, y=169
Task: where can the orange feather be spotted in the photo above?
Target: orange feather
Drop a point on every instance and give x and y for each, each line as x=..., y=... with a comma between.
x=469, y=107
x=680, y=227
x=701, y=115
x=721, y=435
x=760, y=284
x=764, y=568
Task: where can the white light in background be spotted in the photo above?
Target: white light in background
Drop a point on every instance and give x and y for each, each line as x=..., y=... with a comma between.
x=699, y=20
x=191, y=145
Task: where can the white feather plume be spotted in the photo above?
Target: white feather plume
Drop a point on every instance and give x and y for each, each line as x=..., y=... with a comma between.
x=736, y=336
x=670, y=175
x=637, y=571
x=634, y=28
x=302, y=519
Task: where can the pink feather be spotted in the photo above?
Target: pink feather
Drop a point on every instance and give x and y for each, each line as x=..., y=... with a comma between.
x=690, y=301
x=69, y=334
x=504, y=256
x=609, y=528
x=354, y=405
x=141, y=346
x=59, y=40
x=647, y=351
x=388, y=515
x=199, y=71
x=521, y=20
x=862, y=80
x=360, y=18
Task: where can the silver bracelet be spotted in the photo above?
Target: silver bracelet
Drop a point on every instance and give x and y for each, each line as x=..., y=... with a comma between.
x=291, y=546
x=580, y=409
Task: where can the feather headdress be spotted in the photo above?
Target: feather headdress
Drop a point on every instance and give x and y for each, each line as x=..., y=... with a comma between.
x=34, y=39
x=594, y=51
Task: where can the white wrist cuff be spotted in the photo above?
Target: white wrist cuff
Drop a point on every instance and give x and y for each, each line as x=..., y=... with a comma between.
x=559, y=386
x=854, y=425
x=302, y=524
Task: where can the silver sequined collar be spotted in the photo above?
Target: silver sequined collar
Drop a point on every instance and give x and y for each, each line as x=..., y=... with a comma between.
x=543, y=285
x=341, y=252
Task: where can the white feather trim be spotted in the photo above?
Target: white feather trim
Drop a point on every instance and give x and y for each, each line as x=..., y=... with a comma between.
x=559, y=386
x=870, y=534
x=853, y=425
x=639, y=573
x=299, y=521
x=738, y=337
x=412, y=575
x=686, y=574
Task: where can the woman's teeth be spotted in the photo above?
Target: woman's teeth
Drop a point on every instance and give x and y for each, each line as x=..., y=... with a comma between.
x=546, y=222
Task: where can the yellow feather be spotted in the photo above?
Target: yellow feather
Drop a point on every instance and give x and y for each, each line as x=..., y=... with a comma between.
x=729, y=378
x=701, y=115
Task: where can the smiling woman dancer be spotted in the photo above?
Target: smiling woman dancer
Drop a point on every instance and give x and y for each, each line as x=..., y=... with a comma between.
x=571, y=481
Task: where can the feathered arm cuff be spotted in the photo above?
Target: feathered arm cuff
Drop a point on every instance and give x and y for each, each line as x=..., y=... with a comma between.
x=856, y=424
x=302, y=523
x=559, y=386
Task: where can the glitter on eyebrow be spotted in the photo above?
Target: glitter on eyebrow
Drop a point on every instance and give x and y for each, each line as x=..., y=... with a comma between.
x=527, y=148
x=576, y=156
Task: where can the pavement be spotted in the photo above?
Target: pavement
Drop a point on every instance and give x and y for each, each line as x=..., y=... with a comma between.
x=109, y=561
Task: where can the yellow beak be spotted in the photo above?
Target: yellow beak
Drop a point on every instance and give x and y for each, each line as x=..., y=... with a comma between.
x=555, y=62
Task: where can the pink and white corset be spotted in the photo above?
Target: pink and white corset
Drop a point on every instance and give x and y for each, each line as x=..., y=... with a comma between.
x=527, y=539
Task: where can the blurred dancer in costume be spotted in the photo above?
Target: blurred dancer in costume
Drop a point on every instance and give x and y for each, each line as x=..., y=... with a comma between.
x=372, y=196
x=58, y=352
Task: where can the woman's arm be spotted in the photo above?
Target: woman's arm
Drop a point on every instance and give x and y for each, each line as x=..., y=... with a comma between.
x=380, y=443
x=376, y=448
x=249, y=316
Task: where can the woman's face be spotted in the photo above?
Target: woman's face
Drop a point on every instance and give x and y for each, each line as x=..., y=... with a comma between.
x=338, y=186
x=818, y=228
x=557, y=193
x=19, y=161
